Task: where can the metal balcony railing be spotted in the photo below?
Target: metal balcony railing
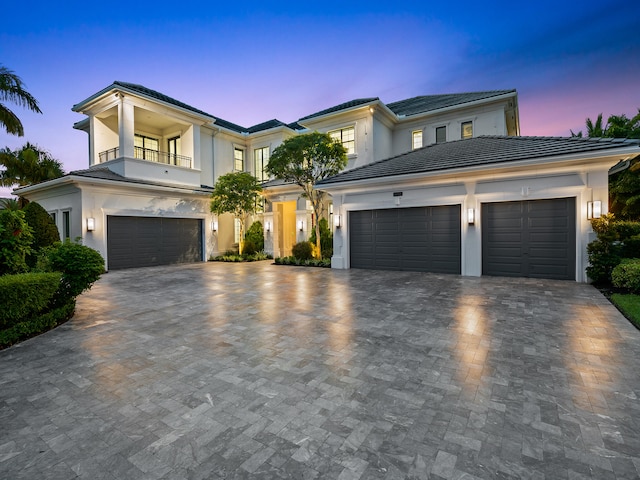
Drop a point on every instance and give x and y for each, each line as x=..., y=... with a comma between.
x=149, y=155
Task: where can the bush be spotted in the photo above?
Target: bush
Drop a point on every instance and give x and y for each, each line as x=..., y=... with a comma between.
x=313, y=262
x=255, y=234
x=80, y=267
x=627, y=275
x=249, y=248
x=25, y=295
x=39, y=324
x=603, y=257
x=241, y=258
x=616, y=240
x=326, y=238
x=45, y=232
x=15, y=241
x=303, y=251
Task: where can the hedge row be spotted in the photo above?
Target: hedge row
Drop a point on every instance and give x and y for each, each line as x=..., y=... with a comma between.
x=38, y=324
x=314, y=262
x=25, y=295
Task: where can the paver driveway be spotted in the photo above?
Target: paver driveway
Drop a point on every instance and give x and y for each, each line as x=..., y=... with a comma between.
x=258, y=371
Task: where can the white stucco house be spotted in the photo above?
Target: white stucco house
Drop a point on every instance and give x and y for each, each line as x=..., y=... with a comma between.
x=440, y=183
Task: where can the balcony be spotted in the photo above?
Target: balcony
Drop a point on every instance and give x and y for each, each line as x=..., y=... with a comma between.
x=156, y=156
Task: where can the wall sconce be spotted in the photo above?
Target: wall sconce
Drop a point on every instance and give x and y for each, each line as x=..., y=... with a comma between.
x=471, y=216
x=337, y=221
x=214, y=225
x=331, y=209
x=267, y=227
x=91, y=224
x=594, y=209
x=301, y=225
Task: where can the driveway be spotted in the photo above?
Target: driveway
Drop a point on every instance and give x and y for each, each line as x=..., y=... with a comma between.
x=217, y=370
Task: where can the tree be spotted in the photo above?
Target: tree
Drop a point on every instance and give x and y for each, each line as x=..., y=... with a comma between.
x=305, y=160
x=15, y=241
x=44, y=229
x=28, y=165
x=12, y=90
x=236, y=193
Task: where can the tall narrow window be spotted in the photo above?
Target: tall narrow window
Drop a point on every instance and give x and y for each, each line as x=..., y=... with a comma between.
x=66, y=225
x=347, y=137
x=174, y=150
x=441, y=134
x=238, y=159
x=416, y=139
x=236, y=230
x=466, y=130
x=146, y=147
x=260, y=161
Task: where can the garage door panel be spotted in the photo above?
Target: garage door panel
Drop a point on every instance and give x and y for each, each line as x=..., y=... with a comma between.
x=150, y=241
x=422, y=238
x=542, y=246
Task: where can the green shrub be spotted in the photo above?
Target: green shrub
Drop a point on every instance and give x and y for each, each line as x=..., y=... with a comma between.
x=241, y=258
x=313, y=262
x=303, y=251
x=80, y=267
x=627, y=275
x=615, y=240
x=249, y=248
x=603, y=257
x=255, y=234
x=25, y=295
x=15, y=241
x=326, y=238
x=45, y=232
x=38, y=324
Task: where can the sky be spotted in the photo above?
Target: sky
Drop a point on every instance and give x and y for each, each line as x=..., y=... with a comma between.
x=248, y=62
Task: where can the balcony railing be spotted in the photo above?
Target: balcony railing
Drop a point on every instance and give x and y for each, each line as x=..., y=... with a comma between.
x=149, y=155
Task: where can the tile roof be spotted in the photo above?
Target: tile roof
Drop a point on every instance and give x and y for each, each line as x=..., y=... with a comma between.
x=427, y=103
x=266, y=125
x=342, y=106
x=478, y=151
x=104, y=173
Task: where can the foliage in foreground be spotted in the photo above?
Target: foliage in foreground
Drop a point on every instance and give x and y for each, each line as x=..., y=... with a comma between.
x=25, y=295
x=629, y=305
x=15, y=241
x=36, y=325
x=234, y=257
x=626, y=275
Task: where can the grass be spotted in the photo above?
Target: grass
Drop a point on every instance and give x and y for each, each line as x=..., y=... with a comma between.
x=629, y=305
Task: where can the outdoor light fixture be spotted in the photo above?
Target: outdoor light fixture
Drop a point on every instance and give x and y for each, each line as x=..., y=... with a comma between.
x=331, y=209
x=337, y=221
x=471, y=216
x=91, y=224
x=594, y=209
x=301, y=225
x=214, y=225
x=267, y=226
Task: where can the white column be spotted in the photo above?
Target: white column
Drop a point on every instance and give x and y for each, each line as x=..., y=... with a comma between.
x=126, y=128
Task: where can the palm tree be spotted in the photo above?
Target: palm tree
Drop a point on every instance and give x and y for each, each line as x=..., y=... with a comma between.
x=12, y=90
x=28, y=165
x=596, y=129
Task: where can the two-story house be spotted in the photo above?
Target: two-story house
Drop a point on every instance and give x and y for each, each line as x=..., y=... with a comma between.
x=424, y=173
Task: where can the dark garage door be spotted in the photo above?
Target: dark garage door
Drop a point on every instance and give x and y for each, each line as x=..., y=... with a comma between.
x=533, y=238
x=425, y=239
x=149, y=241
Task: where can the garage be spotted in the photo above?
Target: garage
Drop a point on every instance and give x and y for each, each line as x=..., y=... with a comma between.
x=533, y=238
x=425, y=239
x=150, y=241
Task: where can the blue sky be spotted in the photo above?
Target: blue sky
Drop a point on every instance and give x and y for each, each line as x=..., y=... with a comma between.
x=252, y=61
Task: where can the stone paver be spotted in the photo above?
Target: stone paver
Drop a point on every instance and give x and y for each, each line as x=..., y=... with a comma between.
x=218, y=370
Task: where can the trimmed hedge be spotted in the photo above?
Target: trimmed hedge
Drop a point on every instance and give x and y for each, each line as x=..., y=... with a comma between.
x=26, y=294
x=39, y=324
x=302, y=251
x=313, y=262
x=627, y=275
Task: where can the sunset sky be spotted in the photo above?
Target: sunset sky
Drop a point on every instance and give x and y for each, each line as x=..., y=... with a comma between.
x=248, y=62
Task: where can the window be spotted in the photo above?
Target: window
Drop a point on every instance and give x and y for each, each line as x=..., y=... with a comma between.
x=173, y=145
x=238, y=159
x=347, y=137
x=260, y=160
x=236, y=230
x=146, y=147
x=441, y=134
x=66, y=225
x=466, y=130
x=416, y=139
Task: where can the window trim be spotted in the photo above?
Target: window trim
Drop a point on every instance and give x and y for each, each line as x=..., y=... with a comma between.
x=66, y=224
x=263, y=175
x=238, y=149
x=441, y=128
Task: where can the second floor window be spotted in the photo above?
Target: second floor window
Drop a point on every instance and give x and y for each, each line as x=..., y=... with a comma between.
x=260, y=161
x=146, y=147
x=416, y=139
x=238, y=159
x=466, y=130
x=347, y=137
x=174, y=146
x=441, y=134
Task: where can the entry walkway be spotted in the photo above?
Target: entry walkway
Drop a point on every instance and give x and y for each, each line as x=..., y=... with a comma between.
x=216, y=370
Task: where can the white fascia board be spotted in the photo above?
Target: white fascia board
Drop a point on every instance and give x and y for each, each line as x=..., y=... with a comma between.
x=564, y=162
x=80, y=181
x=320, y=118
